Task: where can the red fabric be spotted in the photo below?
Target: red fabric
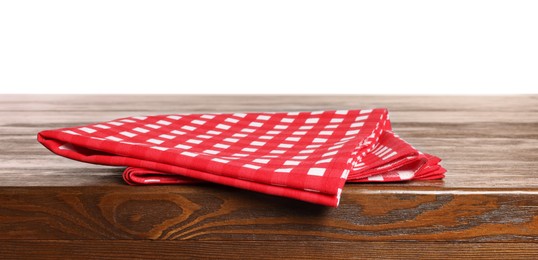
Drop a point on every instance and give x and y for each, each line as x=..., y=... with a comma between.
x=302, y=155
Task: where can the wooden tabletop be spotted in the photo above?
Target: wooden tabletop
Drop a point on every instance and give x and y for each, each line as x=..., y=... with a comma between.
x=486, y=206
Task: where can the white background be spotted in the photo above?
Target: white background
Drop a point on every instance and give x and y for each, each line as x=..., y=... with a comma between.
x=227, y=46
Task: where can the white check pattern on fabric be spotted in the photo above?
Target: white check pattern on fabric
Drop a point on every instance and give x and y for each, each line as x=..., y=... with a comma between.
x=304, y=155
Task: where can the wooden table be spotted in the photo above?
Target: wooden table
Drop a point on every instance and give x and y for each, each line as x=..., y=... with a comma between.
x=486, y=207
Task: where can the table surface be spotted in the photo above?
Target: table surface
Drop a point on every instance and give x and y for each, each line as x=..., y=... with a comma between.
x=488, y=202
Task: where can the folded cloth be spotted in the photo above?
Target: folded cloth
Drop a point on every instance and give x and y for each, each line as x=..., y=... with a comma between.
x=303, y=155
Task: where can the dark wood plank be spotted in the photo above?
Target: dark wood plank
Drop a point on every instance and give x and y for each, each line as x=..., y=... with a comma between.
x=211, y=212
x=121, y=249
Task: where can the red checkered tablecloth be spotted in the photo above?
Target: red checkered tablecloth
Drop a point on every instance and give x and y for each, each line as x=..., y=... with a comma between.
x=303, y=155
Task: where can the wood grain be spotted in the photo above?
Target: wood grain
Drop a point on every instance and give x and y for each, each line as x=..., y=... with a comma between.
x=487, y=206
x=210, y=212
x=126, y=249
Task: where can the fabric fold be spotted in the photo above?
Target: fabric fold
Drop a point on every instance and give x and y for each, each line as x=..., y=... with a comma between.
x=303, y=155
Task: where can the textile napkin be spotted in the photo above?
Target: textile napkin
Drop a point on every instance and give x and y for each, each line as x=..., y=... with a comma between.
x=308, y=156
